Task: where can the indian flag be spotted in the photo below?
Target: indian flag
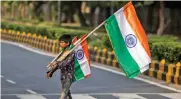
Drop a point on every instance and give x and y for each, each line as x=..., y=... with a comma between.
x=129, y=41
x=82, y=60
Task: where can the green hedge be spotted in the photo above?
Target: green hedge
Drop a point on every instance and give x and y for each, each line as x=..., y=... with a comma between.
x=163, y=38
x=37, y=30
x=165, y=47
x=162, y=47
x=52, y=33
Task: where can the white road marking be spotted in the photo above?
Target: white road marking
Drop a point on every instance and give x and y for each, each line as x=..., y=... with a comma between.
x=51, y=94
x=10, y=81
x=171, y=95
x=31, y=96
x=103, y=68
x=88, y=96
x=31, y=91
x=2, y=76
x=128, y=96
x=84, y=96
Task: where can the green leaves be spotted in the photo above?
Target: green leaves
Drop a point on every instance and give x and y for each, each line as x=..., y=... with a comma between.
x=165, y=47
x=52, y=33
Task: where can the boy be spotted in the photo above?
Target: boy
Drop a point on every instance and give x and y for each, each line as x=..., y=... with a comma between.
x=66, y=67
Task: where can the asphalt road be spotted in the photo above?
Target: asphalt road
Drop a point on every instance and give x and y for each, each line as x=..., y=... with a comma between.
x=23, y=77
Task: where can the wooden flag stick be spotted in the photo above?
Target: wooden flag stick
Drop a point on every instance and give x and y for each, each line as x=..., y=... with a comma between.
x=79, y=42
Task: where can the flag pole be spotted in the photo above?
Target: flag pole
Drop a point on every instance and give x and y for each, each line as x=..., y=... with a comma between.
x=79, y=42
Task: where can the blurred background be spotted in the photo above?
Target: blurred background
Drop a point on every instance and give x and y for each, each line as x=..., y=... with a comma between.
x=160, y=19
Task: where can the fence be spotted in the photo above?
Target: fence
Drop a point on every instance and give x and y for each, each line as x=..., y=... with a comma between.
x=171, y=73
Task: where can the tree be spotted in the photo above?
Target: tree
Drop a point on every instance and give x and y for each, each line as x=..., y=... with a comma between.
x=161, y=19
x=81, y=16
x=47, y=10
x=37, y=8
x=59, y=13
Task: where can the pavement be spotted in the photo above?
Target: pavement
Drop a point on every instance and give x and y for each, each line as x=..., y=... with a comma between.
x=23, y=77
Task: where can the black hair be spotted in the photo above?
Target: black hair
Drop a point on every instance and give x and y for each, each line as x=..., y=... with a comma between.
x=66, y=38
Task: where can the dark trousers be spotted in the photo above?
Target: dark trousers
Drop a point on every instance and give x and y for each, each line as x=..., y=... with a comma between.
x=65, y=94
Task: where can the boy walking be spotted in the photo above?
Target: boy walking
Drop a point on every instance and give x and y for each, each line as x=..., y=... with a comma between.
x=66, y=67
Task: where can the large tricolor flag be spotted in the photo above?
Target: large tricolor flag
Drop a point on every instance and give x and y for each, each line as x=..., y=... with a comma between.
x=129, y=41
x=82, y=60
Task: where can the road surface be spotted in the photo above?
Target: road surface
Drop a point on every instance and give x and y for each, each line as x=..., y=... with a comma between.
x=23, y=77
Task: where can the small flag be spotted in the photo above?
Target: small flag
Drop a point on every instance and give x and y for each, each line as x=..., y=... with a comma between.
x=82, y=60
x=129, y=41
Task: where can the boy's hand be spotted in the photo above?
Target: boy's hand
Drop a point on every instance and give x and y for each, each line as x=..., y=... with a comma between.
x=49, y=74
x=52, y=64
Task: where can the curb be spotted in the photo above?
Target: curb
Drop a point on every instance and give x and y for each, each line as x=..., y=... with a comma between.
x=171, y=73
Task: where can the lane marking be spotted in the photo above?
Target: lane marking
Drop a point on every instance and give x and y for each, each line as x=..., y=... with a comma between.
x=31, y=91
x=128, y=96
x=82, y=96
x=47, y=94
x=88, y=96
x=173, y=96
x=103, y=68
x=31, y=96
x=10, y=81
x=2, y=76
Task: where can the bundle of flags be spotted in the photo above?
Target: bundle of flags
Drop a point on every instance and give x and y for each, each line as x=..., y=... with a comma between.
x=128, y=40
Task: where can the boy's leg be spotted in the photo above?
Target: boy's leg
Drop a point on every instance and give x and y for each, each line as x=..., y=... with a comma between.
x=69, y=95
x=65, y=89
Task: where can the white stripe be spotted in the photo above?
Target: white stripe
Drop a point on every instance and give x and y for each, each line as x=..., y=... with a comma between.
x=138, y=52
x=31, y=96
x=84, y=96
x=31, y=91
x=128, y=96
x=144, y=68
x=2, y=76
x=78, y=94
x=172, y=95
x=88, y=96
x=10, y=81
x=103, y=68
x=83, y=63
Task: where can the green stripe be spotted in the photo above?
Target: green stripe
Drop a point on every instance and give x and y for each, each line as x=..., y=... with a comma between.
x=78, y=74
x=128, y=64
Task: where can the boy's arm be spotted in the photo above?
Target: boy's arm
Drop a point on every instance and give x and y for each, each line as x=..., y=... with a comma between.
x=50, y=72
x=66, y=61
x=60, y=64
x=54, y=69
